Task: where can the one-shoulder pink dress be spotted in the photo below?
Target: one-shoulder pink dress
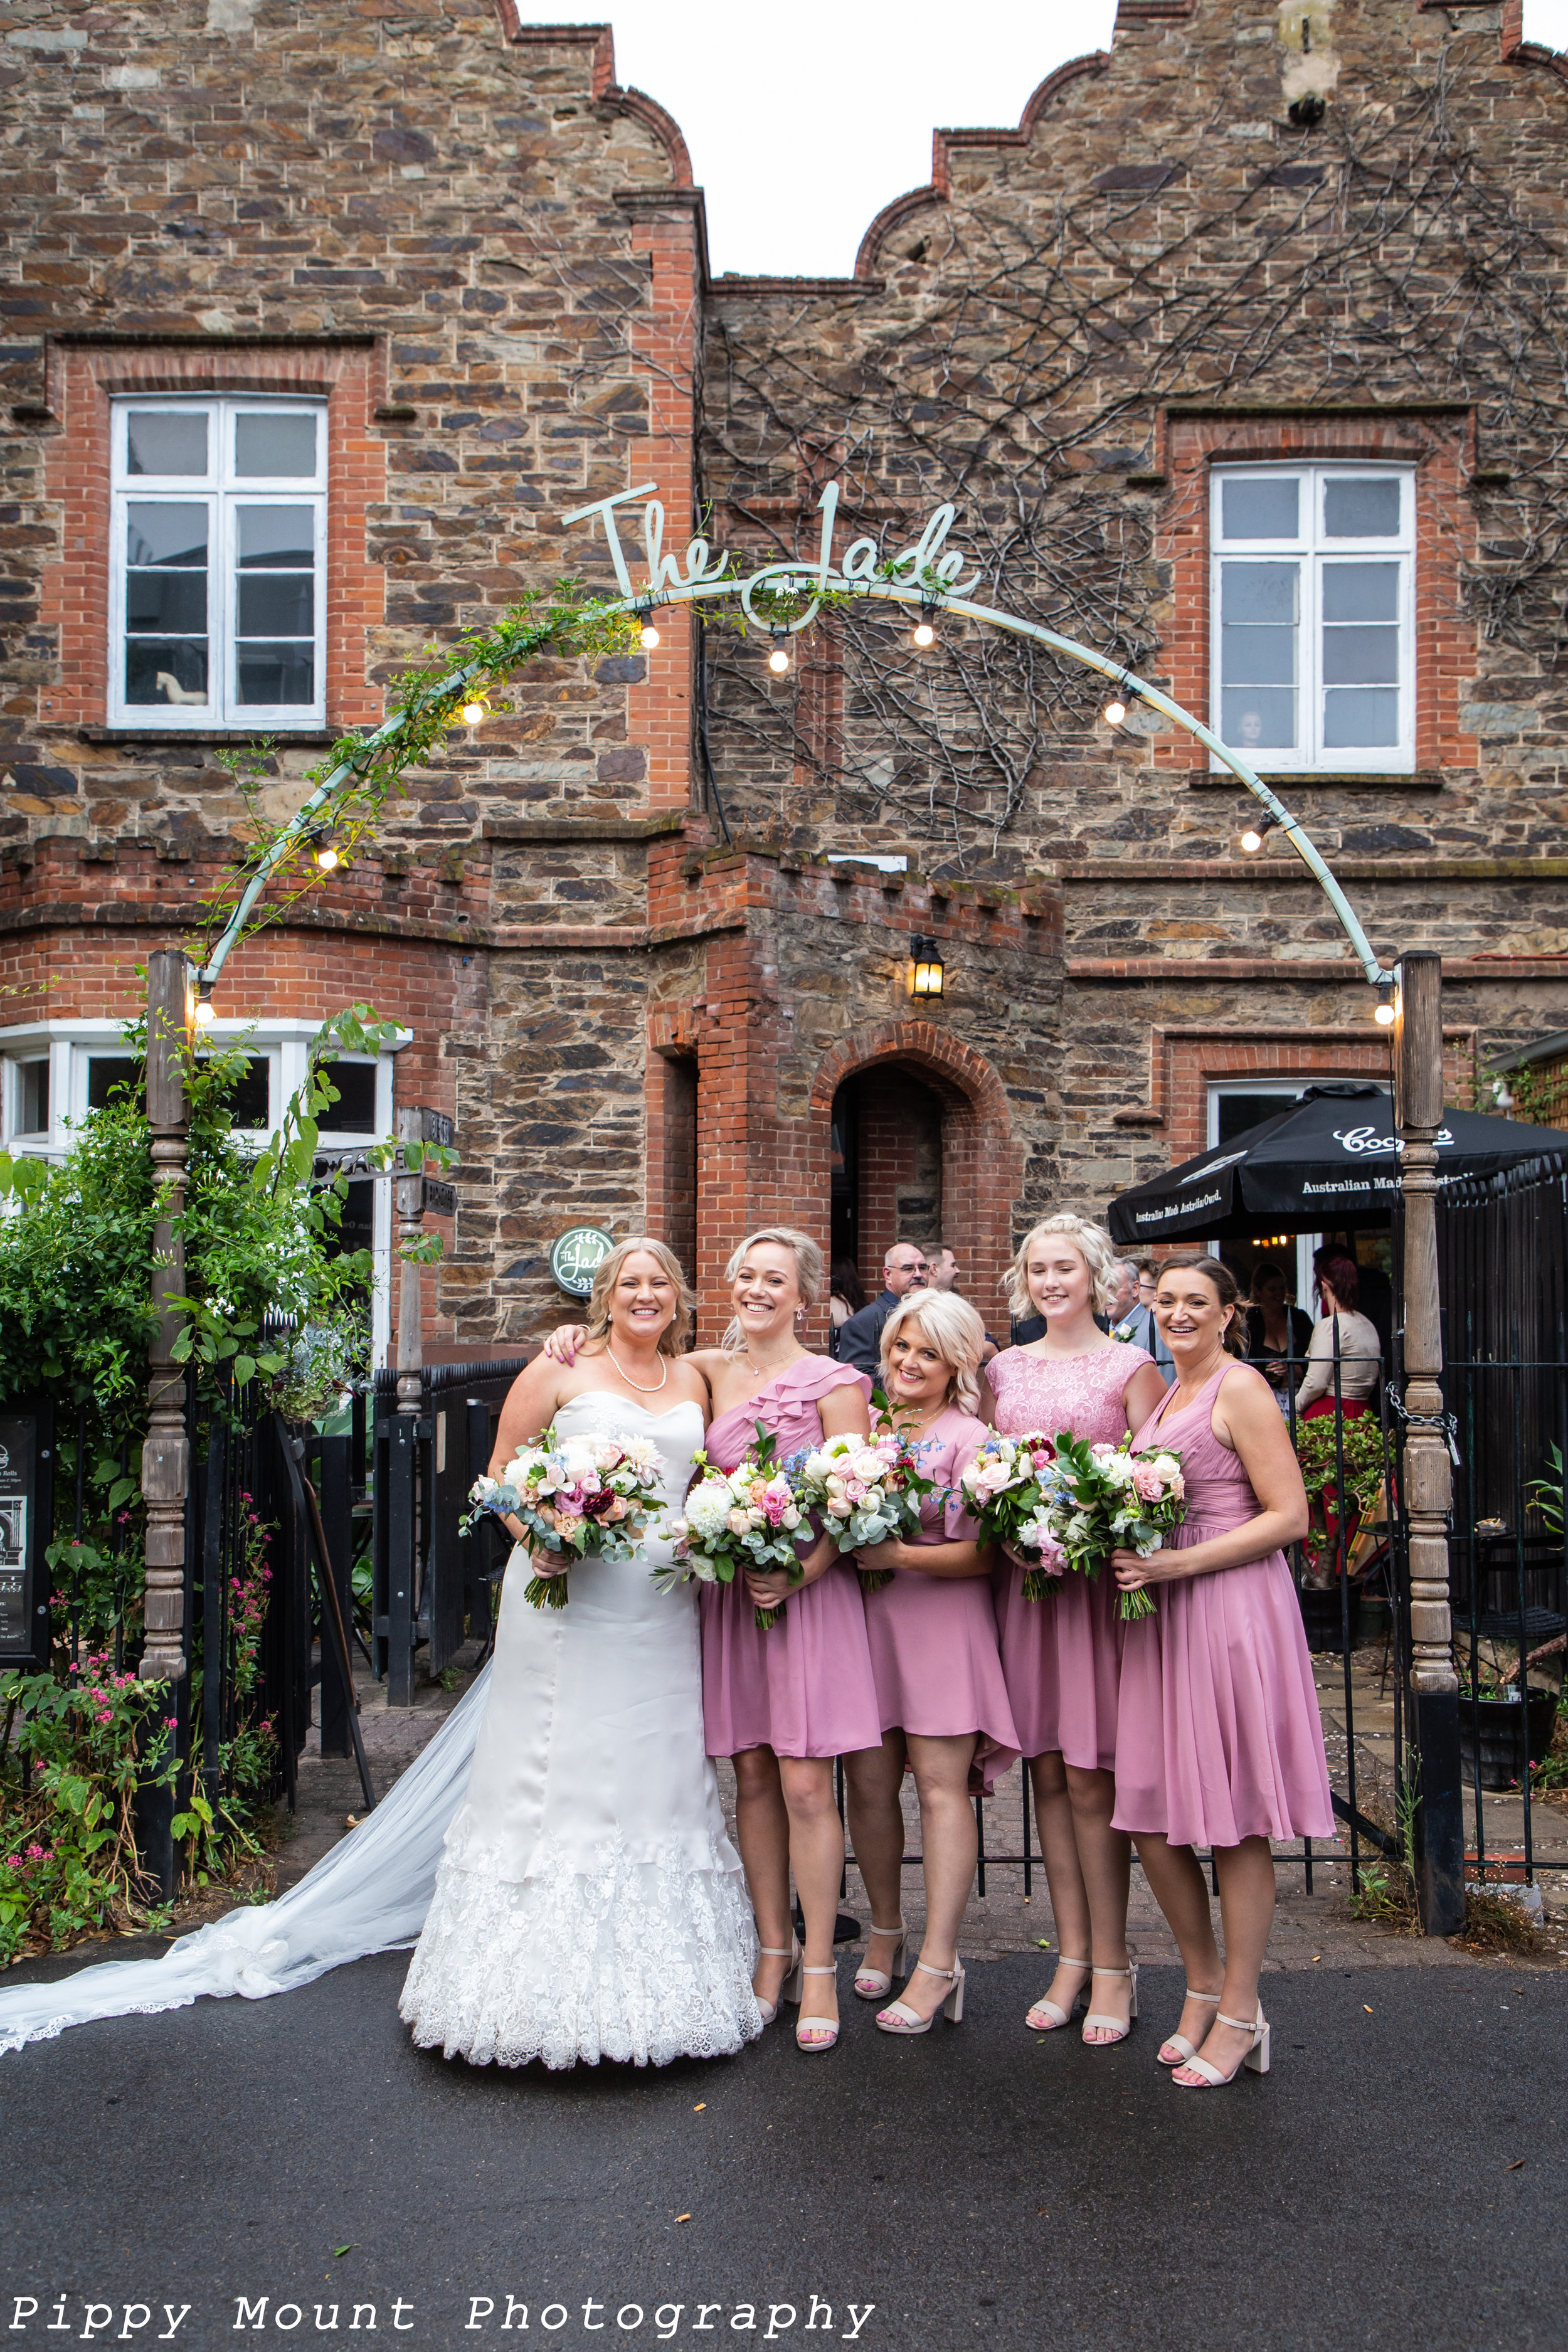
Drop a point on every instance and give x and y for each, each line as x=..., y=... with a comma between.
x=805, y=1688
x=1220, y=1738
x=934, y=1651
x=1062, y=1658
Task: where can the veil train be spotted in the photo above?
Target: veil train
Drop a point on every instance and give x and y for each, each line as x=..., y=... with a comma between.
x=370, y=1894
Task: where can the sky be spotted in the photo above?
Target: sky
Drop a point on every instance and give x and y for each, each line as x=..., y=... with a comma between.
x=855, y=89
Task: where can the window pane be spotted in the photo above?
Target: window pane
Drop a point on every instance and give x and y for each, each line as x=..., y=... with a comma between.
x=107, y=1071
x=1363, y=509
x=276, y=604
x=167, y=669
x=275, y=445
x=1361, y=719
x=32, y=1098
x=1254, y=717
x=249, y=1103
x=1252, y=593
x=166, y=534
x=173, y=603
x=354, y=1113
x=1257, y=656
x=277, y=538
x=1260, y=507
x=1360, y=592
x=1239, y=1112
x=275, y=673
x=164, y=443
x=1361, y=656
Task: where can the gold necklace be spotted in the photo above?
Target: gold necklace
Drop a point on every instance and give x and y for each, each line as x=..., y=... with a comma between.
x=645, y=1388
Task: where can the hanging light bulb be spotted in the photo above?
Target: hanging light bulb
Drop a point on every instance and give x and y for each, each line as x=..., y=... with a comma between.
x=1385, y=1011
x=649, y=636
x=1115, y=711
x=924, y=635
x=778, y=661
x=1252, y=841
x=472, y=713
x=203, y=1008
x=327, y=858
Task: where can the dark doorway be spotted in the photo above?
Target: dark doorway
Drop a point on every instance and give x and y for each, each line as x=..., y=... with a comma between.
x=844, y=1163
x=678, y=1110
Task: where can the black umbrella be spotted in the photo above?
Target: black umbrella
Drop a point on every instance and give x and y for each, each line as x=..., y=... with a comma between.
x=1329, y=1159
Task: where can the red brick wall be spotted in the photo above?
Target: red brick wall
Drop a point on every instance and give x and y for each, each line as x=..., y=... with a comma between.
x=900, y=1143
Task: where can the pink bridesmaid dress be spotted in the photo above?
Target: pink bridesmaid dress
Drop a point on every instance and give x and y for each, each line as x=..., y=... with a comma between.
x=935, y=1652
x=1220, y=1738
x=1062, y=1658
x=806, y=1688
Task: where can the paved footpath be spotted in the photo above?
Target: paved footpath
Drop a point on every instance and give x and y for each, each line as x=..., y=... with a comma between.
x=977, y=2186
x=1396, y=2182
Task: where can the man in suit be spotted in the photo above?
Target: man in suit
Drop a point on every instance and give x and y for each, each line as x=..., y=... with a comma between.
x=905, y=1268
x=1137, y=1323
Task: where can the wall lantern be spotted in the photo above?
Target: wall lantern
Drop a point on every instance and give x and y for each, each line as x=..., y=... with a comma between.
x=926, y=969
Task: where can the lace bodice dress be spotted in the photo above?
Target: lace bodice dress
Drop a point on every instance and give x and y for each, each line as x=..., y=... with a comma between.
x=589, y=1904
x=1062, y=1658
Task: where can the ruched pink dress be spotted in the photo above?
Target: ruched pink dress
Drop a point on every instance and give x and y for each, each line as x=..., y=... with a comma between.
x=1062, y=1658
x=935, y=1652
x=1220, y=1737
x=806, y=1688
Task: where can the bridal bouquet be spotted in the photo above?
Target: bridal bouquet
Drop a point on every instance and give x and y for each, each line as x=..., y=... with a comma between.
x=865, y=1490
x=1017, y=1495
x=736, y=1520
x=1114, y=1499
x=586, y=1498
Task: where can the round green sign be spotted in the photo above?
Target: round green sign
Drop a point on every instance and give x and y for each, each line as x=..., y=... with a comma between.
x=577, y=1257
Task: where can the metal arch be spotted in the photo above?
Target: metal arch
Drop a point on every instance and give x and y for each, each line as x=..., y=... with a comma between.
x=883, y=590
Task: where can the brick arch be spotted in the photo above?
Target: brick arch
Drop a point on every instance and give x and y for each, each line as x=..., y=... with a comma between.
x=980, y=1161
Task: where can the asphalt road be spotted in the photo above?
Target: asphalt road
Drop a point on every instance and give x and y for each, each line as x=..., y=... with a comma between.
x=977, y=2186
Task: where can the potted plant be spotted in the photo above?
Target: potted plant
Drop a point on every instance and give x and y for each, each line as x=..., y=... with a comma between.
x=1318, y=1447
x=1507, y=1729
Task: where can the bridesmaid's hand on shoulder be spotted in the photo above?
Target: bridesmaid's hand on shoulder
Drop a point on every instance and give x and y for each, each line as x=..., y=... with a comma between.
x=562, y=1343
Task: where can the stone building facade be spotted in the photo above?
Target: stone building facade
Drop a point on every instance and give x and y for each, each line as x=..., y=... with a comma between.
x=623, y=925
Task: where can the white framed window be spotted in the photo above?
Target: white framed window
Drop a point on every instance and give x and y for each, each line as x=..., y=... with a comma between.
x=218, y=556
x=55, y=1072
x=1312, y=616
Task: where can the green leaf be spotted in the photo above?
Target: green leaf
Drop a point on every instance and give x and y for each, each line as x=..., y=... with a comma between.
x=244, y=1369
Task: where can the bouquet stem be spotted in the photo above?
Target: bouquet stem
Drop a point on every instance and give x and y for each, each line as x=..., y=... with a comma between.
x=1138, y=1603
x=546, y=1592
x=1039, y=1585
x=765, y=1619
x=873, y=1579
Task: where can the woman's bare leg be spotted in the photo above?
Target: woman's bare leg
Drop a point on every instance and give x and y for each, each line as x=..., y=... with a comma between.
x=762, y=1832
x=1064, y=1877
x=872, y=1780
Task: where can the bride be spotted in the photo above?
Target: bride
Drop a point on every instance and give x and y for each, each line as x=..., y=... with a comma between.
x=587, y=1902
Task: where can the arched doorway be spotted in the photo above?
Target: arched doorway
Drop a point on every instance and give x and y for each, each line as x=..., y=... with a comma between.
x=886, y=1164
x=917, y=1136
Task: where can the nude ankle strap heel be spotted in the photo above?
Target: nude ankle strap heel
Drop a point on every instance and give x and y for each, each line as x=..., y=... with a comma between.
x=899, y=2018
x=1255, y=2058
x=1053, y=2009
x=1185, y=2050
x=872, y=1983
x=1113, y=2025
x=824, y=2031
x=790, y=1988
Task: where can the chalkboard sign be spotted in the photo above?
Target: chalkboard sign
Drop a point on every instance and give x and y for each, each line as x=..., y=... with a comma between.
x=27, y=1517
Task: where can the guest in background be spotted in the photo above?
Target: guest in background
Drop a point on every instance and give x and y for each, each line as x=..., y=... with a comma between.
x=1137, y=1328
x=1274, y=1330
x=1360, y=1353
x=944, y=1274
x=905, y=1268
x=1126, y=1297
x=846, y=1298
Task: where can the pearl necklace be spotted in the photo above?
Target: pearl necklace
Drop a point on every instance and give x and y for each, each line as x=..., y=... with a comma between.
x=644, y=1388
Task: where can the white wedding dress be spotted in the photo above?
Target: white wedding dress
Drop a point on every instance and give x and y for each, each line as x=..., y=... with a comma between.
x=588, y=1904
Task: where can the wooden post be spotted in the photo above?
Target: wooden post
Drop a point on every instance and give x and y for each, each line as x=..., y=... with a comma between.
x=1426, y=1469
x=166, y=1456
x=410, y=1205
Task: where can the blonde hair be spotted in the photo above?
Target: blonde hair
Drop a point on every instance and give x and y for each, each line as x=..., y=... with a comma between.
x=1093, y=1245
x=672, y=1339
x=809, y=1271
x=952, y=1326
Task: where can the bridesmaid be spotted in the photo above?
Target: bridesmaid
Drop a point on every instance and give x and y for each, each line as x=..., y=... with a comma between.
x=939, y=1687
x=784, y=1703
x=1062, y=1658
x=1220, y=1743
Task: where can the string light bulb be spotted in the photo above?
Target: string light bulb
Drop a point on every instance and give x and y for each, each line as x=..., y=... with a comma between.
x=472, y=713
x=1385, y=1011
x=778, y=661
x=204, y=1016
x=327, y=858
x=924, y=635
x=1252, y=841
x=1115, y=711
x=649, y=636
